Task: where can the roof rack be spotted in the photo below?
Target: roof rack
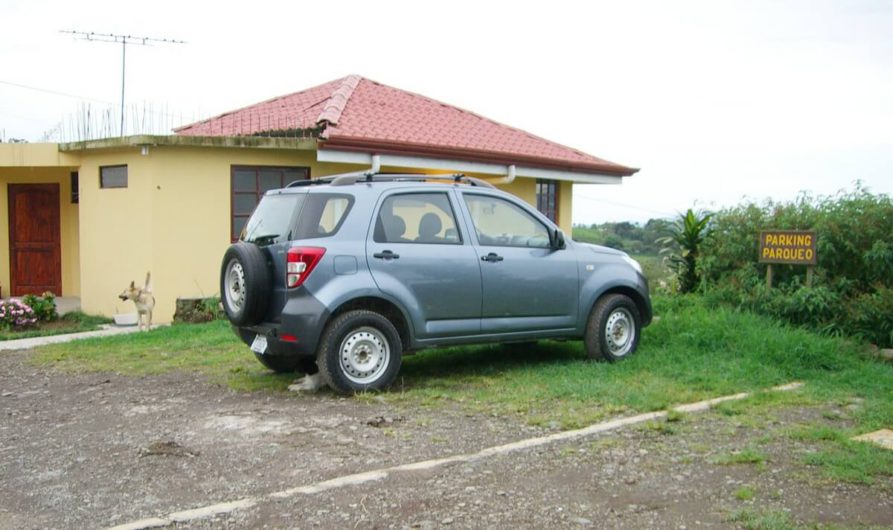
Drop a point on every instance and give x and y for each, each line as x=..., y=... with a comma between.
x=325, y=180
x=347, y=179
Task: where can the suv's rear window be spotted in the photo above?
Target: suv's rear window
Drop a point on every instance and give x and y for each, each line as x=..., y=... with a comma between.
x=317, y=214
x=271, y=221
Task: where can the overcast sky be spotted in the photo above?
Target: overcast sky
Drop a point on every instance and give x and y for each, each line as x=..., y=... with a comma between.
x=714, y=100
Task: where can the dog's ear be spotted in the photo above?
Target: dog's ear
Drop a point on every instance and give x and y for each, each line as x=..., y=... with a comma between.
x=132, y=286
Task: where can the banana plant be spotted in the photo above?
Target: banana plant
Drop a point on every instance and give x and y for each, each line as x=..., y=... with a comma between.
x=682, y=247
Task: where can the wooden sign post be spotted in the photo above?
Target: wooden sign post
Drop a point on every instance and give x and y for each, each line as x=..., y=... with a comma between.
x=788, y=247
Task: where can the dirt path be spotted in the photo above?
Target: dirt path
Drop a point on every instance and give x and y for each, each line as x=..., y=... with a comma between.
x=97, y=450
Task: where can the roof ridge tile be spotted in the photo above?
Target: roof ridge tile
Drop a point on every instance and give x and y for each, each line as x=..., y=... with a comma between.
x=331, y=113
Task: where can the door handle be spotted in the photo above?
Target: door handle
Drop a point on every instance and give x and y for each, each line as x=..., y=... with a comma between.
x=387, y=254
x=492, y=257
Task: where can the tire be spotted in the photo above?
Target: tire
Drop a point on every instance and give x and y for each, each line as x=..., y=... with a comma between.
x=359, y=350
x=613, y=329
x=245, y=284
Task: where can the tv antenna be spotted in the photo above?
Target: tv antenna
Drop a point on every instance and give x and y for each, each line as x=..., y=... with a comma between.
x=123, y=40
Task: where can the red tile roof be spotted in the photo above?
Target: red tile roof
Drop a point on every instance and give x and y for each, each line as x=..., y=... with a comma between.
x=357, y=114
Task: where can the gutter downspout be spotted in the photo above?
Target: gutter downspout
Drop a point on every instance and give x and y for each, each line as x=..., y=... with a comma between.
x=507, y=179
x=376, y=164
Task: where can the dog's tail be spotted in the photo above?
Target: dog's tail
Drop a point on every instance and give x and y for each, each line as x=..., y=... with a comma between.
x=148, y=287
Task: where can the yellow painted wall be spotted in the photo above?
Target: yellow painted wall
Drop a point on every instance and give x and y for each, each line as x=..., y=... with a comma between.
x=566, y=206
x=35, y=155
x=525, y=188
x=68, y=218
x=173, y=219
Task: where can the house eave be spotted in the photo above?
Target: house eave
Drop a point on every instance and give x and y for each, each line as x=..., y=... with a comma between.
x=256, y=142
x=459, y=153
x=467, y=166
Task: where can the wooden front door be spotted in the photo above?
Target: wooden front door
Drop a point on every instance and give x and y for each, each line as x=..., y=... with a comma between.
x=35, y=253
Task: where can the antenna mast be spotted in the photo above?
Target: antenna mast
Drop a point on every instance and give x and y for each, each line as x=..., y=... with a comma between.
x=124, y=40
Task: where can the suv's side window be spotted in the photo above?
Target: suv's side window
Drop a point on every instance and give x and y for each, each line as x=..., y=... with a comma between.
x=417, y=218
x=498, y=222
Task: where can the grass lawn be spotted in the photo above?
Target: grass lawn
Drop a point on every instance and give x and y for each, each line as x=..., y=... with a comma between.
x=73, y=322
x=693, y=352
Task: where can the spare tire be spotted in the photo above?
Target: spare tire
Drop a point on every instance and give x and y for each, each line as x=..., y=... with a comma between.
x=245, y=283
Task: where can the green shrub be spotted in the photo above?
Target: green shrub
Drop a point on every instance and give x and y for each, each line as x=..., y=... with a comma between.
x=683, y=247
x=44, y=306
x=851, y=291
x=870, y=316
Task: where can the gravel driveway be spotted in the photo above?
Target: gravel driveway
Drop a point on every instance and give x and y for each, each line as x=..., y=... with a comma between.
x=99, y=450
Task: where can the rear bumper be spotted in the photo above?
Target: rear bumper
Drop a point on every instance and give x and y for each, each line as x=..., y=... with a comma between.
x=298, y=332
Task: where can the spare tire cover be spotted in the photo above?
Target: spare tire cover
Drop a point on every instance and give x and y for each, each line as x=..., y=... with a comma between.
x=245, y=283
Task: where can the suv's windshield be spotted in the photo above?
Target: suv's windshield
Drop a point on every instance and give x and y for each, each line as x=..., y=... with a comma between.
x=271, y=221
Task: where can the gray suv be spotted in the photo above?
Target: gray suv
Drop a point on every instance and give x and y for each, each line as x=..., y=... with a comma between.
x=346, y=274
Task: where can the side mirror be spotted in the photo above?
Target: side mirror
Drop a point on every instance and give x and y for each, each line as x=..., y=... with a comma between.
x=557, y=237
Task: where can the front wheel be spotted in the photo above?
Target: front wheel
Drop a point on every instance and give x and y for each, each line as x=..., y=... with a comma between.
x=360, y=350
x=613, y=330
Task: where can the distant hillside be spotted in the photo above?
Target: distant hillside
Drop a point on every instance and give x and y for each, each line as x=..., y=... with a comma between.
x=629, y=237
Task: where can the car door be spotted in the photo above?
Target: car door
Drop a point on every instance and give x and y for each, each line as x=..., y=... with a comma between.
x=419, y=257
x=526, y=285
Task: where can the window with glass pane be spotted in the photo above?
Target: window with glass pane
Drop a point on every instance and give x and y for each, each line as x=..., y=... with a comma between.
x=113, y=176
x=500, y=223
x=249, y=183
x=547, y=198
x=322, y=214
x=417, y=218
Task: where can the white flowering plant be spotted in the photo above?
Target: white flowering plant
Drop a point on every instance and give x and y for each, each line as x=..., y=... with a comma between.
x=14, y=314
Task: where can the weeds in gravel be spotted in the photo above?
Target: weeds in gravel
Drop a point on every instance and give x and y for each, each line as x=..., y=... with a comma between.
x=856, y=462
x=843, y=459
x=748, y=455
x=752, y=519
x=745, y=493
x=674, y=416
x=661, y=427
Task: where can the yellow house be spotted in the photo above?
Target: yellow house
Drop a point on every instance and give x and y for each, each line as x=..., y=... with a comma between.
x=85, y=219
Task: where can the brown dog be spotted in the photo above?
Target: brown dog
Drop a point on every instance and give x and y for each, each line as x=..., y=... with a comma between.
x=143, y=299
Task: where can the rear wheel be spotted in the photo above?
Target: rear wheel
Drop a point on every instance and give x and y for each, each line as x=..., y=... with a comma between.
x=613, y=330
x=245, y=284
x=360, y=350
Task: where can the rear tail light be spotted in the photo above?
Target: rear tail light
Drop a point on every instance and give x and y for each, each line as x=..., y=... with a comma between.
x=299, y=263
